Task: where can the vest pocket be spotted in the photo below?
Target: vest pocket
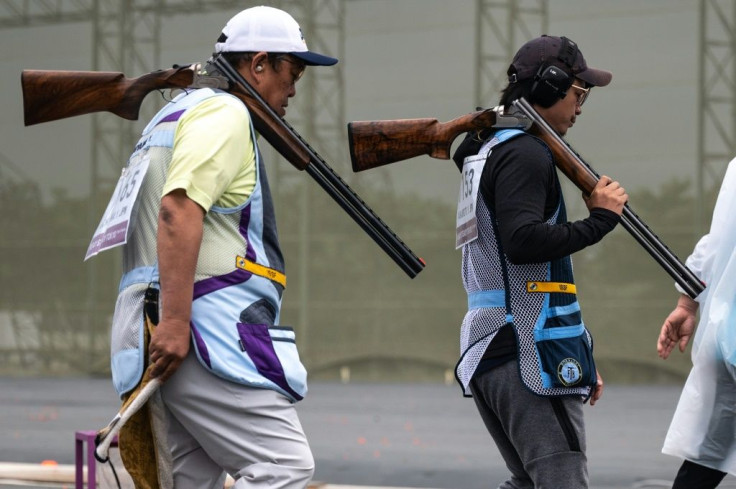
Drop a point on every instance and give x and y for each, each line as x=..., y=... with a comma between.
x=126, y=341
x=566, y=358
x=272, y=349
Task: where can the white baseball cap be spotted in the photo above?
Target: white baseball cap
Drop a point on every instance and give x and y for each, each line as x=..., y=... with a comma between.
x=267, y=29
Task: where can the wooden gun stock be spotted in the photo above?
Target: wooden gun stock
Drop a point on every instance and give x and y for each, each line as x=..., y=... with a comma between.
x=54, y=95
x=378, y=143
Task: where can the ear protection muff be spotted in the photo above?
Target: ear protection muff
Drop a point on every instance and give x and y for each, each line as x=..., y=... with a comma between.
x=551, y=82
x=550, y=85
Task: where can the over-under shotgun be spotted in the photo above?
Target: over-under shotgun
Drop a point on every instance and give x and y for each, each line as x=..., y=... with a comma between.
x=53, y=95
x=378, y=143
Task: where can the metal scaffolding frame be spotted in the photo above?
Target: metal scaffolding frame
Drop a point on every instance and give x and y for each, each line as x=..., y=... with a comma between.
x=716, y=100
x=501, y=26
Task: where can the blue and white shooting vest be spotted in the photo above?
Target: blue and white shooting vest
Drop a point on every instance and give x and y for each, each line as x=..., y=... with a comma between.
x=538, y=299
x=239, y=277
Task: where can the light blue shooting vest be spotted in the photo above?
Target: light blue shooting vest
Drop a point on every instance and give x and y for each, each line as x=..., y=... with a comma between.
x=538, y=299
x=239, y=277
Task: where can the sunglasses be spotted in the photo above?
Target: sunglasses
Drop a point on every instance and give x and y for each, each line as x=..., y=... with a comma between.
x=300, y=67
x=582, y=94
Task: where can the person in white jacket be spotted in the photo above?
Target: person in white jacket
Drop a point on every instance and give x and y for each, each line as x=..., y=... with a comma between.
x=703, y=429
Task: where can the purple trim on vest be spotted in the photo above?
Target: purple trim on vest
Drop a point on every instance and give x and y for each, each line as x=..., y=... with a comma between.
x=256, y=341
x=201, y=346
x=212, y=284
x=174, y=116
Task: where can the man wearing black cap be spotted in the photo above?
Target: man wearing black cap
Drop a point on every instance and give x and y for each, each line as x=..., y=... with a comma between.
x=526, y=354
x=204, y=240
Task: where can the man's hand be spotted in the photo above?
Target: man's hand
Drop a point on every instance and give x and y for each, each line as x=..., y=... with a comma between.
x=678, y=327
x=607, y=194
x=168, y=347
x=597, y=390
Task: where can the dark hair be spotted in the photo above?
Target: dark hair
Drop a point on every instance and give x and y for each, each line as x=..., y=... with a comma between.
x=237, y=58
x=514, y=91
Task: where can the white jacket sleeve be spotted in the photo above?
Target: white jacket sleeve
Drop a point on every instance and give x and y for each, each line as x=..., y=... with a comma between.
x=722, y=234
x=701, y=261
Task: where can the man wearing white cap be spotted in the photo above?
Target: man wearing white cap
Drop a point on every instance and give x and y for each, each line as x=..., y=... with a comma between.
x=204, y=241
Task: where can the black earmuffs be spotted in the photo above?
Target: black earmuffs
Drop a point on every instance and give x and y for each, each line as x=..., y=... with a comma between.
x=552, y=82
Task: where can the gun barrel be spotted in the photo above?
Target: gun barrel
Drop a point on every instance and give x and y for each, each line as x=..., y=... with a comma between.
x=585, y=178
x=336, y=188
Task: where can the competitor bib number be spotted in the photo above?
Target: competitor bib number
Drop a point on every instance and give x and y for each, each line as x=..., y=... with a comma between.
x=113, y=228
x=466, y=227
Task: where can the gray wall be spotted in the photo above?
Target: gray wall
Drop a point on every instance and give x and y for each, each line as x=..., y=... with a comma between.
x=406, y=59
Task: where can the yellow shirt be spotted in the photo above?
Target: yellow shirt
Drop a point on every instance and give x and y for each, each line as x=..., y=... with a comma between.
x=213, y=157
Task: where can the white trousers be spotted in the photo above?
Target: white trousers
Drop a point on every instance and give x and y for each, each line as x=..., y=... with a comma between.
x=218, y=427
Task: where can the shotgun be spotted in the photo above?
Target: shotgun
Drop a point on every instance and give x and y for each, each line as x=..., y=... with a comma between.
x=53, y=95
x=377, y=143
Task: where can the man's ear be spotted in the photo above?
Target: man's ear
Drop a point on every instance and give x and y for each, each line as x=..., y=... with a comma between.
x=257, y=66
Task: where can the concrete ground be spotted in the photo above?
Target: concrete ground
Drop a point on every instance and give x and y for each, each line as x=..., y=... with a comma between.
x=389, y=435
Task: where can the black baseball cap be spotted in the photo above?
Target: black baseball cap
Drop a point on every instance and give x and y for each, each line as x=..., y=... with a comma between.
x=558, y=51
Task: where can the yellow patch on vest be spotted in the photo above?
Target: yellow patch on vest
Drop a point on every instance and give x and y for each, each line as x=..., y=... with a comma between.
x=256, y=269
x=559, y=287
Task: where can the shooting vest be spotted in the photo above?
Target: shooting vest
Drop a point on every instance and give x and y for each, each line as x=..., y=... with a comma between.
x=239, y=277
x=538, y=300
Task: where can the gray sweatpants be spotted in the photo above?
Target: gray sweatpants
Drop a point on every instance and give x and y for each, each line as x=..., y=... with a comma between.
x=541, y=439
x=216, y=426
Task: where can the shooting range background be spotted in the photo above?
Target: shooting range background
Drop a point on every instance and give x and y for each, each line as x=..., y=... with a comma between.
x=357, y=316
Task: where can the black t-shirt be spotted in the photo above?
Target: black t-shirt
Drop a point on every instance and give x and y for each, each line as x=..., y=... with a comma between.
x=519, y=184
